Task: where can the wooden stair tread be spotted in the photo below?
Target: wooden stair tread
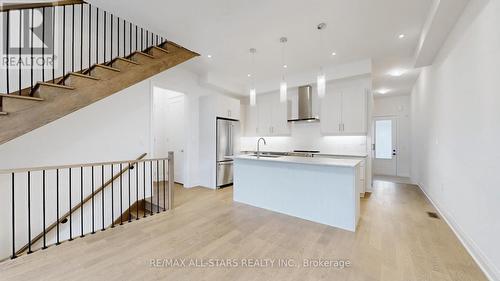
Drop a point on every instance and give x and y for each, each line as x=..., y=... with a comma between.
x=142, y=54
x=21, y=97
x=3, y=113
x=54, y=85
x=106, y=67
x=84, y=76
x=125, y=60
x=160, y=49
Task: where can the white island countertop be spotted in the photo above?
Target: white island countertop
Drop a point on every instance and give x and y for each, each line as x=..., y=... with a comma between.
x=338, y=162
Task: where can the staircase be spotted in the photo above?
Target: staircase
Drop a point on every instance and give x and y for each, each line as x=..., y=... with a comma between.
x=35, y=105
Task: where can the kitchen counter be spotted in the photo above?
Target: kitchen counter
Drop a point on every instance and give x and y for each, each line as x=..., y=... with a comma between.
x=322, y=190
x=305, y=160
x=314, y=154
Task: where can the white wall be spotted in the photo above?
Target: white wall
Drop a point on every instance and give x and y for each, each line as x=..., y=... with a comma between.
x=456, y=132
x=115, y=128
x=399, y=108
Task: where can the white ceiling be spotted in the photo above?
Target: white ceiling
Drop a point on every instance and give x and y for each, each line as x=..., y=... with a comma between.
x=226, y=29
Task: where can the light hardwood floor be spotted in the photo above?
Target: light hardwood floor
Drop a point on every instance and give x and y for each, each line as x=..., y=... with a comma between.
x=395, y=240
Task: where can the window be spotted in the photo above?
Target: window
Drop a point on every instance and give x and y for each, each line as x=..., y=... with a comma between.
x=383, y=139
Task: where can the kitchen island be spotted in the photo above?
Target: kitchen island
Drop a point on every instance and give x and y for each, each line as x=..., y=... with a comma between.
x=322, y=190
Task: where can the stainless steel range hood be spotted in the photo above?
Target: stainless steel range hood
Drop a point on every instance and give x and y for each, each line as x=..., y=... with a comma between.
x=305, y=106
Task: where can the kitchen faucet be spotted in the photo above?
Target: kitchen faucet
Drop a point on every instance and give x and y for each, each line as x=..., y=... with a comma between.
x=258, y=146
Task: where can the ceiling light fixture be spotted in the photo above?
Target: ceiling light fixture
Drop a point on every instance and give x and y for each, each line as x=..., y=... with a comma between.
x=383, y=91
x=334, y=54
x=397, y=72
x=283, y=85
x=401, y=36
x=253, y=92
x=321, y=78
x=209, y=56
x=249, y=75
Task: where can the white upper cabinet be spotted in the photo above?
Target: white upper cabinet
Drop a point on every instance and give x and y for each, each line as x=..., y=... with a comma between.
x=344, y=112
x=269, y=117
x=354, y=113
x=331, y=113
x=227, y=107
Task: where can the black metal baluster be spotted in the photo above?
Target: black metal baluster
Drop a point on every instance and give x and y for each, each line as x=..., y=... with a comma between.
x=72, y=38
x=147, y=39
x=151, y=181
x=43, y=212
x=164, y=188
x=31, y=47
x=144, y=185
x=13, y=220
x=129, y=192
x=70, y=211
x=43, y=46
x=118, y=35
x=124, y=39
x=121, y=194
x=112, y=198
x=64, y=41
x=130, y=38
x=57, y=208
x=93, y=187
x=142, y=39
x=97, y=36
x=20, y=48
x=29, y=213
x=81, y=37
x=137, y=191
x=157, y=40
x=7, y=53
x=90, y=35
x=111, y=30
x=81, y=202
x=53, y=44
x=104, y=35
x=136, y=38
x=102, y=195
x=157, y=187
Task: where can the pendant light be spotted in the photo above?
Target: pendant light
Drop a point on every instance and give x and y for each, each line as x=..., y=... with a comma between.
x=283, y=85
x=253, y=92
x=321, y=78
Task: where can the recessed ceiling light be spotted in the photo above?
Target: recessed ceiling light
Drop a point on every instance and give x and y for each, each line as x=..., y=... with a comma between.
x=401, y=36
x=397, y=72
x=334, y=54
x=383, y=91
x=209, y=56
x=285, y=66
x=249, y=75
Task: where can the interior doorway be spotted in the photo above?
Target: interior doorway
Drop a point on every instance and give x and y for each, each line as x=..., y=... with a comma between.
x=385, y=146
x=168, y=128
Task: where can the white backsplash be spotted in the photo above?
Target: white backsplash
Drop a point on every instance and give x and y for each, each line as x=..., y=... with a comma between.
x=307, y=136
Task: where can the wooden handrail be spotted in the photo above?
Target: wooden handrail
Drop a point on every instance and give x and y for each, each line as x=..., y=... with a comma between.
x=9, y=7
x=79, y=205
x=35, y=169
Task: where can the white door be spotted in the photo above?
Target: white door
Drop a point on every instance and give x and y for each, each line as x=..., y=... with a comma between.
x=168, y=128
x=176, y=134
x=386, y=146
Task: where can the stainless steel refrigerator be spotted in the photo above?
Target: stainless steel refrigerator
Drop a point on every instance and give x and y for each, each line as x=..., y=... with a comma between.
x=228, y=132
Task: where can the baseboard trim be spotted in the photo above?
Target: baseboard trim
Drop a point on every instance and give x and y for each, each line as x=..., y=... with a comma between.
x=484, y=264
